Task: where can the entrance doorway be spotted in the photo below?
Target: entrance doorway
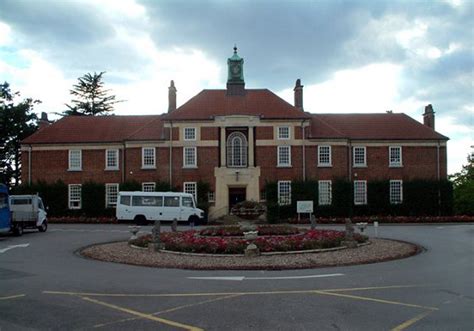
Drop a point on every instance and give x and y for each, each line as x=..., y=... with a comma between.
x=236, y=195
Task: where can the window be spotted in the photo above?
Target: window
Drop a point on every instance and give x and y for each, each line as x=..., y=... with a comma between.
x=324, y=192
x=396, y=191
x=111, y=159
x=284, y=192
x=74, y=194
x=125, y=200
x=189, y=157
x=395, y=156
x=324, y=156
x=284, y=156
x=360, y=192
x=148, y=187
x=145, y=201
x=148, y=157
x=190, y=187
x=189, y=133
x=211, y=196
x=187, y=202
x=359, y=157
x=284, y=132
x=75, y=159
x=171, y=202
x=111, y=191
x=237, y=150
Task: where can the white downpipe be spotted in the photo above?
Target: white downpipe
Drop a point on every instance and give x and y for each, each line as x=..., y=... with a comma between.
x=171, y=155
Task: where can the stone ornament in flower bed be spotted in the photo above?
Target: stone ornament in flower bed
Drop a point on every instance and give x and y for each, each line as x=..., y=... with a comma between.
x=349, y=240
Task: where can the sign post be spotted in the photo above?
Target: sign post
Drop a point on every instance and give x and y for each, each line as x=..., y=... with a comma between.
x=304, y=207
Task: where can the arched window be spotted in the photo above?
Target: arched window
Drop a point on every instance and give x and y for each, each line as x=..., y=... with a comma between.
x=236, y=150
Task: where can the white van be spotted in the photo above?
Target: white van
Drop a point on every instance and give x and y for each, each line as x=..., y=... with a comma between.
x=142, y=207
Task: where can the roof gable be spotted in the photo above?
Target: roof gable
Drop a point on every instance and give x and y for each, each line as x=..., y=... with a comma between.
x=255, y=102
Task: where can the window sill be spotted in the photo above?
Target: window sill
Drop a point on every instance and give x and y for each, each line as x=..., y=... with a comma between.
x=395, y=166
x=111, y=169
x=284, y=166
x=148, y=168
x=190, y=167
x=324, y=165
x=360, y=166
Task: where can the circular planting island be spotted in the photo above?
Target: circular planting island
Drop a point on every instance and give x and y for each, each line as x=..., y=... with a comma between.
x=264, y=247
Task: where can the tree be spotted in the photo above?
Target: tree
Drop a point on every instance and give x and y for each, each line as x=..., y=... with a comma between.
x=463, y=183
x=90, y=97
x=17, y=121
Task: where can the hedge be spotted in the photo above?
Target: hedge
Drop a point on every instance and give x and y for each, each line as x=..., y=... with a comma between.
x=420, y=198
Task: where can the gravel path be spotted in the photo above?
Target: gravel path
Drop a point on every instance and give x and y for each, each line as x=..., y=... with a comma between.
x=379, y=250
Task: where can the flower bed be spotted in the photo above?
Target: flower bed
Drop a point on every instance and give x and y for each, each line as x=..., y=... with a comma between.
x=388, y=219
x=263, y=230
x=190, y=241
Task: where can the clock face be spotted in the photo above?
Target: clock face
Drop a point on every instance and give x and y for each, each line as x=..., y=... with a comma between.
x=236, y=69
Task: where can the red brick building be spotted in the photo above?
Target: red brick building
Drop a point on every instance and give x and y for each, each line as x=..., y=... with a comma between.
x=236, y=139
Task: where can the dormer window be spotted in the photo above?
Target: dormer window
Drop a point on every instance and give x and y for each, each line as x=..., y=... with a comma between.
x=236, y=150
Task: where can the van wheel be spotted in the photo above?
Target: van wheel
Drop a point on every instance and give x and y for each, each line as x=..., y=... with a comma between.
x=43, y=227
x=193, y=219
x=18, y=230
x=140, y=220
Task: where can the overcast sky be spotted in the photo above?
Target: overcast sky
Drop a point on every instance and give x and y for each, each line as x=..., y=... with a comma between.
x=352, y=56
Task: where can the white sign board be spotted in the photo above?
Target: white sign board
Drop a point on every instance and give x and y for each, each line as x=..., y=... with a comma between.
x=304, y=207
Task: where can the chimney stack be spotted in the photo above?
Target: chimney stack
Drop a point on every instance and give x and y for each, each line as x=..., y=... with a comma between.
x=298, y=95
x=43, y=122
x=171, y=97
x=429, y=117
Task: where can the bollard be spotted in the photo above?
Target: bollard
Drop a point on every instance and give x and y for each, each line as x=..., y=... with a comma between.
x=376, y=229
x=313, y=221
x=174, y=225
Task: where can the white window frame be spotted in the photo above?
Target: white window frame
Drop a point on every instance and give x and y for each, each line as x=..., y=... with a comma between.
x=362, y=184
x=392, y=192
x=324, y=164
x=211, y=197
x=354, y=148
x=237, y=156
x=284, y=200
x=324, y=197
x=284, y=136
x=189, y=134
x=73, y=198
x=111, y=194
x=71, y=161
x=115, y=158
x=149, y=166
x=148, y=187
x=280, y=148
x=193, y=164
x=391, y=163
x=191, y=187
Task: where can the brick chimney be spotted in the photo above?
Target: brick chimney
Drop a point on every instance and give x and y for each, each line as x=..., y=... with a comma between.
x=429, y=117
x=43, y=122
x=298, y=95
x=171, y=97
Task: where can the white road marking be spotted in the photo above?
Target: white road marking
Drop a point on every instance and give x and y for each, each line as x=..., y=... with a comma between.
x=241, y=278
x=12, y=247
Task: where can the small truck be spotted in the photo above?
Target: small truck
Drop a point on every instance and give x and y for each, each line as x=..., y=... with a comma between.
x=19, y=212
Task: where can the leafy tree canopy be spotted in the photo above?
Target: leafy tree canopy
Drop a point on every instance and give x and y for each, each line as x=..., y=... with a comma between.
x=17, y=121
x=463, y=183
x=90, y=98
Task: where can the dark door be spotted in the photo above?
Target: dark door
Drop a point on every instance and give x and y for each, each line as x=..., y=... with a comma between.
x=236, y=195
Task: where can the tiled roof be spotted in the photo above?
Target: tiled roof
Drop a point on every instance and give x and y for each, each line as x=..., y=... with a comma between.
x=386, y=126
x=91, y=129
x=258, y=102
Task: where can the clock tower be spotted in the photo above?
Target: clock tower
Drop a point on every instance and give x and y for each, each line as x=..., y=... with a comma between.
x=235, y=77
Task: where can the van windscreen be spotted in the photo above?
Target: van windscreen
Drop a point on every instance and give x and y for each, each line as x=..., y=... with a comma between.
x=187, y=202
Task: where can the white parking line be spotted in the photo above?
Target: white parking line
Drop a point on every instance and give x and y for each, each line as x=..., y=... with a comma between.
x=241, y=278
x=12, y=247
